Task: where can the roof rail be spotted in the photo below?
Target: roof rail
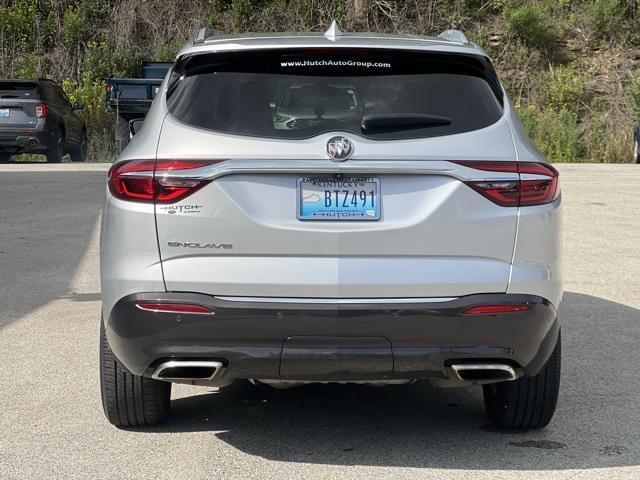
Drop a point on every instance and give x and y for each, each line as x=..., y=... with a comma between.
x=202, y=35
x=453, y=36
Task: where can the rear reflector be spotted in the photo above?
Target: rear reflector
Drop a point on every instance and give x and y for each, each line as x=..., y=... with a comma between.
x=153, y=180
x=519, y=192
x=174, y=308
x=495, y=309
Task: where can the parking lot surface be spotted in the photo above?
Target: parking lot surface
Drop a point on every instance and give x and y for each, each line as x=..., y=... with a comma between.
x=51, y=421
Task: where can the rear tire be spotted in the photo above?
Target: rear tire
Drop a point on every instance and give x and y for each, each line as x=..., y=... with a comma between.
x=79, y=153
x=55, y=153
x=528, y=402
x=130, y=400
x=5, y=156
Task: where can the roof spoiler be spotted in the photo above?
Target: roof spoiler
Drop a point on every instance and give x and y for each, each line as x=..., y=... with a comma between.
x=454, y=36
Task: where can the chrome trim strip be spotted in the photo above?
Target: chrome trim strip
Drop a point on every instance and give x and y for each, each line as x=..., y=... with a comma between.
x=337, y=301
x=186, y=363
x=457, y=368
x=324, y=166
x=353, y=166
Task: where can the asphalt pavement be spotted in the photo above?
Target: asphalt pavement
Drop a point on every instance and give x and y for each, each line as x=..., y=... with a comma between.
x=51, y=420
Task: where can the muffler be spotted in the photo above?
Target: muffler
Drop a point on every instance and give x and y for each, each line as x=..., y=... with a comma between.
x=484, y=372
x=187, y=370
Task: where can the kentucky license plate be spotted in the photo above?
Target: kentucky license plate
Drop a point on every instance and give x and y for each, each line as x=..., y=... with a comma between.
x=332, y=198
x=4, y=113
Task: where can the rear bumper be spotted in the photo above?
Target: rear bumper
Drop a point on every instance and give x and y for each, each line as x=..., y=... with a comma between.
x=333, y=341
x=25, y=140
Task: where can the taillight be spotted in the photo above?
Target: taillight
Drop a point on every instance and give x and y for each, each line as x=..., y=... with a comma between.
x=541, y=190
x=174, y=308
x=537, y=183
x=41, y=110
x=496, y=309
x=155, y=180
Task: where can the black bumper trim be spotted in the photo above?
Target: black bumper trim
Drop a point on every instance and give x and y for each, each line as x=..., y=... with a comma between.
x=249, y=336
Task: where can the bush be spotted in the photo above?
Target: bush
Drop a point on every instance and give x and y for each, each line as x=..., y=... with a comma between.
x=633, y=93
x=241, y=14
x=100, y=123
x=564, y=88
x=532, y=23
x=608, y=140
x=605, y=18
x=555, y=133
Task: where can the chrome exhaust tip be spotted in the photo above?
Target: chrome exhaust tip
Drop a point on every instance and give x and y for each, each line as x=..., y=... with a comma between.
x=480, y=372
x=187, y=370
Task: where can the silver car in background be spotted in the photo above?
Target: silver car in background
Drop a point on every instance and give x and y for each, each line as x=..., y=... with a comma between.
x=394, y=224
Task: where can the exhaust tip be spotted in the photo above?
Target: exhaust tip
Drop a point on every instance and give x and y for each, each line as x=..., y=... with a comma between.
x=470, y=372
x=187, y=370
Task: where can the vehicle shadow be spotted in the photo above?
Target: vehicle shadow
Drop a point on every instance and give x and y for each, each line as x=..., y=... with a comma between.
x=421, y=426
x=46, y=223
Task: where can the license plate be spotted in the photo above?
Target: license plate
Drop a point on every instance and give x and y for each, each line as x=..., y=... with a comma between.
x=4, y=113
x=332, y=198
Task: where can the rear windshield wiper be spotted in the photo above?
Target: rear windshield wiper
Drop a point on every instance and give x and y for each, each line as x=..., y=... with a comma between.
x=388, y=121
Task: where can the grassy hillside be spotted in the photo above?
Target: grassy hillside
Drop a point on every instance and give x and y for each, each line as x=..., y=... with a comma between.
x=571, y=67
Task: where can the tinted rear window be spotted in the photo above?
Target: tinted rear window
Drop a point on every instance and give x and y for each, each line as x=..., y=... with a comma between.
x=299, y=94
x=18, y=90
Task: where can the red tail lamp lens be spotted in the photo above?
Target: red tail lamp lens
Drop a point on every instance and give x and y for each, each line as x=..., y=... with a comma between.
x=538, y=192
x=42, y=110
x=174, y=308
x=496, y=309
x=505, y=194
x=154, y=180
x=521, y=192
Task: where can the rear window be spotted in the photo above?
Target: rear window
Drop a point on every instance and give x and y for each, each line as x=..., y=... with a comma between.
x=380, y=94
x=18, y=90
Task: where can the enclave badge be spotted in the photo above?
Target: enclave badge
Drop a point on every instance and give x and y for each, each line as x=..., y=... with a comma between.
x=339, y=149
x=200, y=245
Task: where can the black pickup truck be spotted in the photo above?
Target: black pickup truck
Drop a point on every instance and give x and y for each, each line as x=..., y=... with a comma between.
x=130, y=98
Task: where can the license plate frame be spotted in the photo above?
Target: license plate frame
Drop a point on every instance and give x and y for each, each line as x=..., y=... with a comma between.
x=363, y=186
x=5, y=113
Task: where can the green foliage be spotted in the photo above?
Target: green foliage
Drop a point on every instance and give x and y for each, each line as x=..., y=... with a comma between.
x=533, y=24
x=633, y=93
x=103, y=59
x=28, y=23
x=607, y=141
x=28, y=66
x=166, y=52
x=564, y=87
x=241, y=14
x=605, y=17
x=100, y=123
x=80, y=20
x=555, y=133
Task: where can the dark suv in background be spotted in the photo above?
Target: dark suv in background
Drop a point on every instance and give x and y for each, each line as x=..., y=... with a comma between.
x=37, y=117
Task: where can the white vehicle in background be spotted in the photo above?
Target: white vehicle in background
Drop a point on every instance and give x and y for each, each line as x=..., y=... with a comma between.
x=413, y=236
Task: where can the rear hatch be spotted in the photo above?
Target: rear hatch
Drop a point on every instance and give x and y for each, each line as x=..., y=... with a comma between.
x=393, y=121
x=18, y=102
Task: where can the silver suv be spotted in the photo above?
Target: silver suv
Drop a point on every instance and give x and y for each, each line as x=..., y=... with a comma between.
x=400, y=227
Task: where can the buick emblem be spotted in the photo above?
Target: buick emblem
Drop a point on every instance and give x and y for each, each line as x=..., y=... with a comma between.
x=339, y=149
